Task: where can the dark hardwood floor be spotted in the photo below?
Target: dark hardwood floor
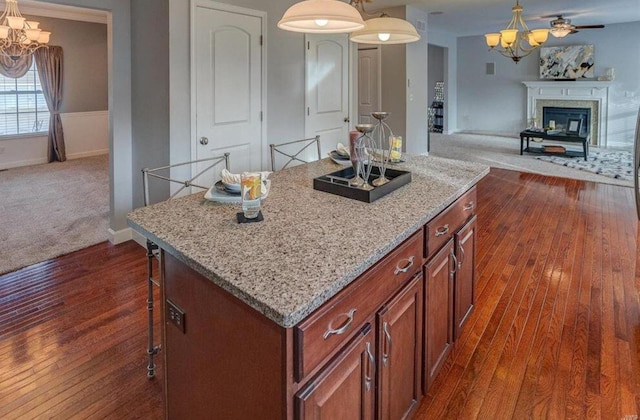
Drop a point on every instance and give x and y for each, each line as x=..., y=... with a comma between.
x=555, y=333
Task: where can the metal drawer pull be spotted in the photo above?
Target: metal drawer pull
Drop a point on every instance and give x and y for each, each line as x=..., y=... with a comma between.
x=469, y=206
x=406, y=268
x=455, y=263
x=442, y=230
x=385, y=356
x=370, y=371
x=342, y=329
x=462, y=256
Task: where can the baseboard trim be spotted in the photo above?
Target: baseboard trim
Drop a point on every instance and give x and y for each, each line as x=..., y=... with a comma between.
x=90, y=153
x=489, y=133
x=119, y=236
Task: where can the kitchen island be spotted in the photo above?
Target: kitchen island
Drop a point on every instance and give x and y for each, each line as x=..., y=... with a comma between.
x=295, y=315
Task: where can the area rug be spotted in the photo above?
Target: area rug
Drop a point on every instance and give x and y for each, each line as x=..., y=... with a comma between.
x=504, y=152
x=614, y=164
x=52, y=209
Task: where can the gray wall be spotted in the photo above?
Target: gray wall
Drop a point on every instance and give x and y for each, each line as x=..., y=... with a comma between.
x=497, y=104
x=392, y=80
x=150, y=94
x=84, y=46
x=415, y=90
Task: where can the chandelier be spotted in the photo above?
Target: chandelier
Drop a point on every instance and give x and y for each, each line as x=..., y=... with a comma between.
x=517, y=40
x=19, y=37
x=335, y=16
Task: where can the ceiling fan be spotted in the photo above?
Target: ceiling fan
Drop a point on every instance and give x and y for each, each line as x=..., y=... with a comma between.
x=561, y=27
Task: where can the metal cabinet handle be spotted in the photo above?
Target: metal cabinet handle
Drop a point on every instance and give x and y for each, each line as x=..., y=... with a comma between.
x=469, y=206
x=442, y=230
x=406, y=268
x=204, y=141
x=455, y=263
x=371, y=369
x=387, y=353
x=462, y=256
x=342, y=329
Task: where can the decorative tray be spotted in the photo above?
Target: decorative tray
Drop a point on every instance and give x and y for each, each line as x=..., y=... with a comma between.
x=338, y=183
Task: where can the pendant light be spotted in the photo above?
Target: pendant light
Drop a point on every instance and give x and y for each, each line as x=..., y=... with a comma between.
x=321, y=16
x=385, y=30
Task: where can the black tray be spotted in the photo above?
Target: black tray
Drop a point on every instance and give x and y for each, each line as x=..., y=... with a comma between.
x=396, y=180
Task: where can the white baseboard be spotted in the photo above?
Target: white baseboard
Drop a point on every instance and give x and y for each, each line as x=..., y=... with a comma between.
x=120, y=236
x=27, y=162
x=81, y=155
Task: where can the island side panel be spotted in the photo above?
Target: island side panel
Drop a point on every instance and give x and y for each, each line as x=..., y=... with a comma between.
x=230, y=362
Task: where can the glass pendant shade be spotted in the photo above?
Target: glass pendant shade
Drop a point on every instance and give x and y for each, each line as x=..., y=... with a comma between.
x=4, y=32
x=321, y=16
x=540, y=35
x=492, y=39
x=15, y=22
x=509, y=35
x=44, y=37
x=386, y=30
x=32, y=24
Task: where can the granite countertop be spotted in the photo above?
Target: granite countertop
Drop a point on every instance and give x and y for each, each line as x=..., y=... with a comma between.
x=311, y=243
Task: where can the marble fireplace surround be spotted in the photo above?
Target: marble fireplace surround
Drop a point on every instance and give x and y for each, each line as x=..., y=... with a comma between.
x=572, y=94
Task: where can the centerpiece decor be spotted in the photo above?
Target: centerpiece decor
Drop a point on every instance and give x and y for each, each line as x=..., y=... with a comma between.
x=369, y=178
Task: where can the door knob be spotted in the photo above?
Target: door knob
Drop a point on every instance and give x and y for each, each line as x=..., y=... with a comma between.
x=346, y=119
x=204, y=141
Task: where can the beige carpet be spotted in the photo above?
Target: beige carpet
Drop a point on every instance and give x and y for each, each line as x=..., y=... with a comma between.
x=504, y=152
x=52, y=209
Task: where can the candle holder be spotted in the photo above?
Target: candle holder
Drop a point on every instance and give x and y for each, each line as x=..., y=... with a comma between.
x=382, y=134
x=364, y=143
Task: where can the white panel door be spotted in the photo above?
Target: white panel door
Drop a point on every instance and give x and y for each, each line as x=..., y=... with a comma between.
x=327, y=89
x=228, y=77
x=368, y=84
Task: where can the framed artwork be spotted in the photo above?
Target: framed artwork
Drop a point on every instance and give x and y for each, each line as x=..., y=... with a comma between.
x=573, y=126
x=567, y=62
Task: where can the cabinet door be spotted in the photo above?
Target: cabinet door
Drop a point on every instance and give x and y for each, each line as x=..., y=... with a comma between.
x=344, y=389
x=438, y=305
x=400, y=353
x=465, y=243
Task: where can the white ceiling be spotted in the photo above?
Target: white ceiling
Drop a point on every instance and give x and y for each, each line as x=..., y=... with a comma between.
x=476, y=17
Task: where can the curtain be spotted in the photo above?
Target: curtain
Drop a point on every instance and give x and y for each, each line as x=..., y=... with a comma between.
x=17, y=68
x=49, y=63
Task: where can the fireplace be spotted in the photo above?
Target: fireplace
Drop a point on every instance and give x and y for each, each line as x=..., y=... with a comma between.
x=561, y=115
x=593, y=95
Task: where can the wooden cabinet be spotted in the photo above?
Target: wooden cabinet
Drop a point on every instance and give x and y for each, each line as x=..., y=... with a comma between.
x=369, y=352
x=438, y=303
x=465, y=245
x=345, y=388
x=400, y=353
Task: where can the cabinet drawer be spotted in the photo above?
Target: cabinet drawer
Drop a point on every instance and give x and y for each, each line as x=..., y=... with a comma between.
x=442, y=227
x=325, y=331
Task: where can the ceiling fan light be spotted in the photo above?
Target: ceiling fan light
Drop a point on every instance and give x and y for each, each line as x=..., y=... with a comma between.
x=399, y=31
x=321, y=16
x=540, y=35
x=560, y=32
x=492, y=39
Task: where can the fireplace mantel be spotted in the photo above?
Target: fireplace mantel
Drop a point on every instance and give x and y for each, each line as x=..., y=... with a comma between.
x=596, y=91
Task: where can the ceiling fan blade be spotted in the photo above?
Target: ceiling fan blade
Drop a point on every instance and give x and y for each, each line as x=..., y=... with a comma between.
x=589, y=26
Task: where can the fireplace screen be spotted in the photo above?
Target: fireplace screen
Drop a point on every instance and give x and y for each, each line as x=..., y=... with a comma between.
x=558, y=118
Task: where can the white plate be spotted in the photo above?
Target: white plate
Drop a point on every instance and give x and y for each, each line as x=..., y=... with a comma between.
x=339, y=160
x=213, y=194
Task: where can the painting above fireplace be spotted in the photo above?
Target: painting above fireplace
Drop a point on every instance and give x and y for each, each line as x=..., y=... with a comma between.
x=567, y=62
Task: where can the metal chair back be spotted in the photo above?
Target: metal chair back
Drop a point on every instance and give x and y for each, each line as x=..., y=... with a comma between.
x=293, y=156
x=210, y=162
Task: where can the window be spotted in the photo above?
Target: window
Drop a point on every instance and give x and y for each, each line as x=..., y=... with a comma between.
x=23, y=109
